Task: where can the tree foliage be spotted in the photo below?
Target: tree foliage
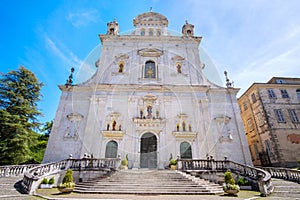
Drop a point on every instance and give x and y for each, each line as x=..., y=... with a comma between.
x=19, y=95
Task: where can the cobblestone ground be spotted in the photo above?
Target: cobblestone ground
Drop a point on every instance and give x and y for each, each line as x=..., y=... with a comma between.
x=284, y=190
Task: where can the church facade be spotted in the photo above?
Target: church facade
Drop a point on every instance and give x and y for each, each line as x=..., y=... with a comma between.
x=148, y=100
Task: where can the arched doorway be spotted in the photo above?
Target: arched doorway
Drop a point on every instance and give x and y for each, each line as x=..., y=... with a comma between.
x=148, y=151
x=111, y=150
x=185, y=150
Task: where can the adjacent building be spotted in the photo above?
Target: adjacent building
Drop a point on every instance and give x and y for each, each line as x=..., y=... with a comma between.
x=149, y=100
x=270, y=113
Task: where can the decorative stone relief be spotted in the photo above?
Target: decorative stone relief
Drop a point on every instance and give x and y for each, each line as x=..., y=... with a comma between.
x=224, y=131
x=72, y=130
x=183, y=128
x=113, y=126
x=149, y=115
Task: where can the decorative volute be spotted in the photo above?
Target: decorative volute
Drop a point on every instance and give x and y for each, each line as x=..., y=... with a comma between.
x=188, y=29
x=112, y=28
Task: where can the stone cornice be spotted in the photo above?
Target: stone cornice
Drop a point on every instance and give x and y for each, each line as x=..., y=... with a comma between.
x=138, y=38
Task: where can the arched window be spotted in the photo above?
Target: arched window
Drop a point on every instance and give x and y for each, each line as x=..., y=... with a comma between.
x=298, y=93
x=111, y=150
x=189, y=32
x=142, y=32
x=150, y=71
x=185, y=150
x=121, y=67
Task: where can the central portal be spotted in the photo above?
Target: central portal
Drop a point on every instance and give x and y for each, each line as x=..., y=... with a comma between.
x=148, y=151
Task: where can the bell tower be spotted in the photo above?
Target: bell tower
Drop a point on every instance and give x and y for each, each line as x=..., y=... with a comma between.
x=188, y=29
x=112, y=28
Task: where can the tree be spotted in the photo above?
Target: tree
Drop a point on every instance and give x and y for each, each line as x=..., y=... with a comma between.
x=41, y=140
x=19, y=94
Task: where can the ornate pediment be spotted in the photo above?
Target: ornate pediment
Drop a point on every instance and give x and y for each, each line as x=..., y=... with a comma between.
x=223, y=119
x=150, y=52
x=177, y=58
x=122, y=56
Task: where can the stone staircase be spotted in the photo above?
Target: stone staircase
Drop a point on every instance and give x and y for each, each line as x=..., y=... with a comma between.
x=285, y=190
x=10, y=188
x=149, y=182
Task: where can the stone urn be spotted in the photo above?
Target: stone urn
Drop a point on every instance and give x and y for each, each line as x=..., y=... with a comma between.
x=231, y=192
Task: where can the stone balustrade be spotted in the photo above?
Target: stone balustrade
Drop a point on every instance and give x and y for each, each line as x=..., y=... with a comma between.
x=262, y=177
x=284, y=173
x=33, y=177
x=15, y=170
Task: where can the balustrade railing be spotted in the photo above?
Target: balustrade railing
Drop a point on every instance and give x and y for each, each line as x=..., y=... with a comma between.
x=284, y=173
x=15, y=170
x=262, y=177
x=31, y=177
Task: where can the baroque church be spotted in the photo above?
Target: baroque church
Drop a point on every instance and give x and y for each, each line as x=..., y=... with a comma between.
x=150, y=101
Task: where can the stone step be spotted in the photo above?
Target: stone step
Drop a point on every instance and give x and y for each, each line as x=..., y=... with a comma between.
x=148, y=182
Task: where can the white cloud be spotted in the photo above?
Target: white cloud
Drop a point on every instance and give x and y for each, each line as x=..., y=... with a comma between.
x=83, y=18
x=67, y=56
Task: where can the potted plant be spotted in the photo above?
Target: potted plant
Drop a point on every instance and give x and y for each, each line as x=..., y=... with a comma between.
x=124, y=163
x=173, y=164
x=244, y=184
x=229, y=186
x=67, y=184
x=46, y=184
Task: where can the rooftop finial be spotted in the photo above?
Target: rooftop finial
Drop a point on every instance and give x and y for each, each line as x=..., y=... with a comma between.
x=70, y=80
x=228, y=83
x=150, y=9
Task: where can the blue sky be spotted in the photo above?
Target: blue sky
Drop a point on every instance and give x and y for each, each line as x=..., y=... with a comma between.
x=253, y=40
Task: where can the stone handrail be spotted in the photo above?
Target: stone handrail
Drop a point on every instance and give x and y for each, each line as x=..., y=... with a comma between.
x=284, y=173
x=33, y=176
x=15, y=170
x=262, y=177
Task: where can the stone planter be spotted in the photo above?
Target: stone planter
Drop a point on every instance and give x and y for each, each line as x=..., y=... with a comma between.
x=173, y=167
x=231, y=192
x=65, y=190
x=124, y=167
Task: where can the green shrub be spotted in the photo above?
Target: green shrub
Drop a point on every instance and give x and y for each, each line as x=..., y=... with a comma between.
x=44, y=181
x=242, y=181
x=229, y=178
x=68, y=178
x=230, y=182
x=124, y=162
x=51, y=181
x=173, y=162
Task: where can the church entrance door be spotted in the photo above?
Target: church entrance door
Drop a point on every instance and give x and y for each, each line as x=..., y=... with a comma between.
x=148, y=151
